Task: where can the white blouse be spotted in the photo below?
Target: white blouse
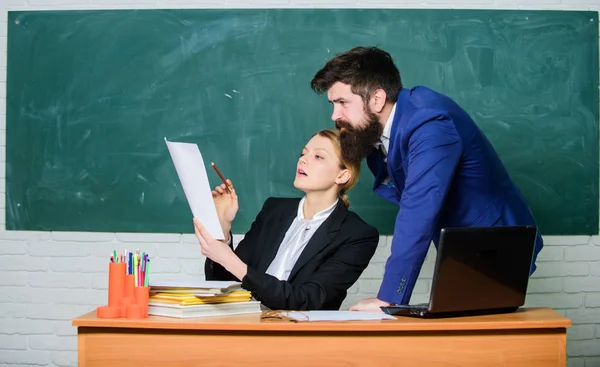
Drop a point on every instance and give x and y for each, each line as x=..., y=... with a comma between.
x=295, y=240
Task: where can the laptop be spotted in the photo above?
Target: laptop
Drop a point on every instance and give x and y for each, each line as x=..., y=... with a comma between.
x=478, y=271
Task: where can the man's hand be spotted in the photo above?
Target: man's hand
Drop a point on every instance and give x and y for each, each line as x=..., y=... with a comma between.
x=369, y=304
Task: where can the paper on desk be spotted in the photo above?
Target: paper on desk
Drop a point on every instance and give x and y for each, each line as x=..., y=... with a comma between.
x=194, y=180
x=338, y=316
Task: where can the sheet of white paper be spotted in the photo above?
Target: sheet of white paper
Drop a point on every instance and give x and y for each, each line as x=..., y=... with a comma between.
x=194, y=180
x=338, y=316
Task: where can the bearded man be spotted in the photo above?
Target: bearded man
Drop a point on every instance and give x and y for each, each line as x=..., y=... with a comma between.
x=427, y=155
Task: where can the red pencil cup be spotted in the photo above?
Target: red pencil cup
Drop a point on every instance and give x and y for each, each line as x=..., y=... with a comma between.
x=129, y=297
x=116, y=291
x=135, y=312
x=129, y=286
x=139, y=309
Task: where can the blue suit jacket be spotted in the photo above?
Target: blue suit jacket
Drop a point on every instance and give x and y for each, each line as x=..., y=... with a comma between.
x=443, y=173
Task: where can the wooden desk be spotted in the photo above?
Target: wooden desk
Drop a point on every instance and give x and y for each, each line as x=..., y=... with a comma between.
x=529, y=338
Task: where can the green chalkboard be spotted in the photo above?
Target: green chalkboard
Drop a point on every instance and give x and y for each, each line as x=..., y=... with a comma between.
x=91, y=95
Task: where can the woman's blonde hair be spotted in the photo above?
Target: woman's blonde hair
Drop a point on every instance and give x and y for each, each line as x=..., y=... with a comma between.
x=354, y=167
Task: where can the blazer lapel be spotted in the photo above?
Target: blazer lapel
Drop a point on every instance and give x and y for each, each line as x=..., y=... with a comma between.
x=322, y=237
x=276, y=235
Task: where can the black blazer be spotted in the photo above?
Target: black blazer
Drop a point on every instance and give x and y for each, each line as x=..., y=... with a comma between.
x=332, y=261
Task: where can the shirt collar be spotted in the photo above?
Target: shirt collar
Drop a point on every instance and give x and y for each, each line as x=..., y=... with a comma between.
x=387, y=130
x=320, y=215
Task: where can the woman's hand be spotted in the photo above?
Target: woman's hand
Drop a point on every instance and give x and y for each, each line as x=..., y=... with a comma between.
x=227, y=206
x=219, y=251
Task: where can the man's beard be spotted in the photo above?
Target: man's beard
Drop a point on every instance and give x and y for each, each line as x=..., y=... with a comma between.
x=357, y=143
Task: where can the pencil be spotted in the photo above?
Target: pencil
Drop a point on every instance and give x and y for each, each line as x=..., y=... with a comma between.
x=220, y=176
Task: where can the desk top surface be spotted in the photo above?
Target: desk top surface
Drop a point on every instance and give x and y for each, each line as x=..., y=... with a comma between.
x=524, y=318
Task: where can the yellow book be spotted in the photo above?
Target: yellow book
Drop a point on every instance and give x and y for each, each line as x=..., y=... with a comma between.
x=193, y=295
x=185, y=298
x=197, y=301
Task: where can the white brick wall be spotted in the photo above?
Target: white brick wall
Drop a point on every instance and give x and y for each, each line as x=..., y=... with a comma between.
x=55, y=277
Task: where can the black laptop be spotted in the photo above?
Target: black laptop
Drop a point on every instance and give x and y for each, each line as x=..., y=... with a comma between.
x=478, y=270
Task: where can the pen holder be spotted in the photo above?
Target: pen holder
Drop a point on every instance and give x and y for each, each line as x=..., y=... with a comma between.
x=129, y=297
x=139, y=309
x=116, y=291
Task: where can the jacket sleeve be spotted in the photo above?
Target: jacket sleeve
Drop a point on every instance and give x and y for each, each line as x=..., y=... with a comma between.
x=244, y=250
x=434, y=150
x=329, y=283
x=215, y=271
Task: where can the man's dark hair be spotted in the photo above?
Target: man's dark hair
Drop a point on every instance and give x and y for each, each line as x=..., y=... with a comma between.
x=365, y=69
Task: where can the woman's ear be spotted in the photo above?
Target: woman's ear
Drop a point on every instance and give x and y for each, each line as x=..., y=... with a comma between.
x=343, y=177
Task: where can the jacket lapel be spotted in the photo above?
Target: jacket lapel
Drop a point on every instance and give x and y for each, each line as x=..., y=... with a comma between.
x=395, y=158
x=322, y=237
x=276, y=235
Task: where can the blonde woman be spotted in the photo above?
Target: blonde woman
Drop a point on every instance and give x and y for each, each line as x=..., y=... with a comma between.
x=302, y=253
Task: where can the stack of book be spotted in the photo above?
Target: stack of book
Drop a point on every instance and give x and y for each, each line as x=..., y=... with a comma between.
x=189, y=299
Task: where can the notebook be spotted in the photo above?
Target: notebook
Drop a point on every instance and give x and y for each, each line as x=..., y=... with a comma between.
x=203, y=310
x=195, y=286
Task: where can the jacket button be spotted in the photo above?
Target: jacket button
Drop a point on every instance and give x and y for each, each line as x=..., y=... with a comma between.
x=401, y=286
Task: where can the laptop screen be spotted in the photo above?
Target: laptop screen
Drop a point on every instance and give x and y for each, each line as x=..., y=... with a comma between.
x=482, y=268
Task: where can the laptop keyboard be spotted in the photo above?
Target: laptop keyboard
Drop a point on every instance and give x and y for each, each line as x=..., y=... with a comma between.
x=415, y=306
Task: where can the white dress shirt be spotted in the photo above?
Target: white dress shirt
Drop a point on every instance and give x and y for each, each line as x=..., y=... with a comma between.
x=385, y=136
x=295, y=240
